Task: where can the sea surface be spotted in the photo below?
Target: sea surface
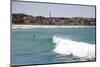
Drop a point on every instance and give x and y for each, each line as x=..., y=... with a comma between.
x=52, y=45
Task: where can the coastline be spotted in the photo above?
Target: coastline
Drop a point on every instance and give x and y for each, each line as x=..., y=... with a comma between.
x=45, y=26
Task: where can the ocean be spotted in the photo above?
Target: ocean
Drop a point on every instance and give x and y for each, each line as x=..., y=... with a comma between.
x=52, y=45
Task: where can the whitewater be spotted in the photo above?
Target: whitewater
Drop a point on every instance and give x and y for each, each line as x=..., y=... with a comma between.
x=66, y=47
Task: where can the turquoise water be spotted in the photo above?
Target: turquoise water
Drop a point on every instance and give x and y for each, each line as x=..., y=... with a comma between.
x=35, y=46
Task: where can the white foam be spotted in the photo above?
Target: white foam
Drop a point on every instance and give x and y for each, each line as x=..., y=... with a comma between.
x=70, y=47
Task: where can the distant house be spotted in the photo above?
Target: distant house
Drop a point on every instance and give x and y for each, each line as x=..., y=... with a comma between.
x=92, y=23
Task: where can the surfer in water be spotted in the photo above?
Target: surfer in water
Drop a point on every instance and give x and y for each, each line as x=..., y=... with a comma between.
x=33, y=36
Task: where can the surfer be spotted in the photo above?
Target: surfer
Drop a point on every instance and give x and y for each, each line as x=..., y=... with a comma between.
x=33, y=36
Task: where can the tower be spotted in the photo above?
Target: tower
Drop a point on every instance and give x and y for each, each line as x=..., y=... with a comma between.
x=50, y=14
x=50, y=19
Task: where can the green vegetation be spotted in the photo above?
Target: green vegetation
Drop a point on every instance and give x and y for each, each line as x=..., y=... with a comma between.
x=40, y=20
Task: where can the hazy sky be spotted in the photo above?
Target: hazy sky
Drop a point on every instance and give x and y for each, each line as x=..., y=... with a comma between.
x=56, y=10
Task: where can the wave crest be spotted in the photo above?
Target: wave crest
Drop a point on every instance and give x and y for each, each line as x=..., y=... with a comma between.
x=70, y=47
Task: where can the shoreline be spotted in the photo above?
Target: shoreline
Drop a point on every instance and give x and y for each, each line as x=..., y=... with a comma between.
x=45, y=26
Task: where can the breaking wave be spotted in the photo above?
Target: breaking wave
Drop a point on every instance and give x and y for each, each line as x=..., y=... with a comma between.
x=69, y=47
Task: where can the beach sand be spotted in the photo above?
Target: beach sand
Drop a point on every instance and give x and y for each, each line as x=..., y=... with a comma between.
x=45, y=26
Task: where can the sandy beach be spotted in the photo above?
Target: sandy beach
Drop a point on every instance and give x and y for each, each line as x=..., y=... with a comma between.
x=45, y=26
